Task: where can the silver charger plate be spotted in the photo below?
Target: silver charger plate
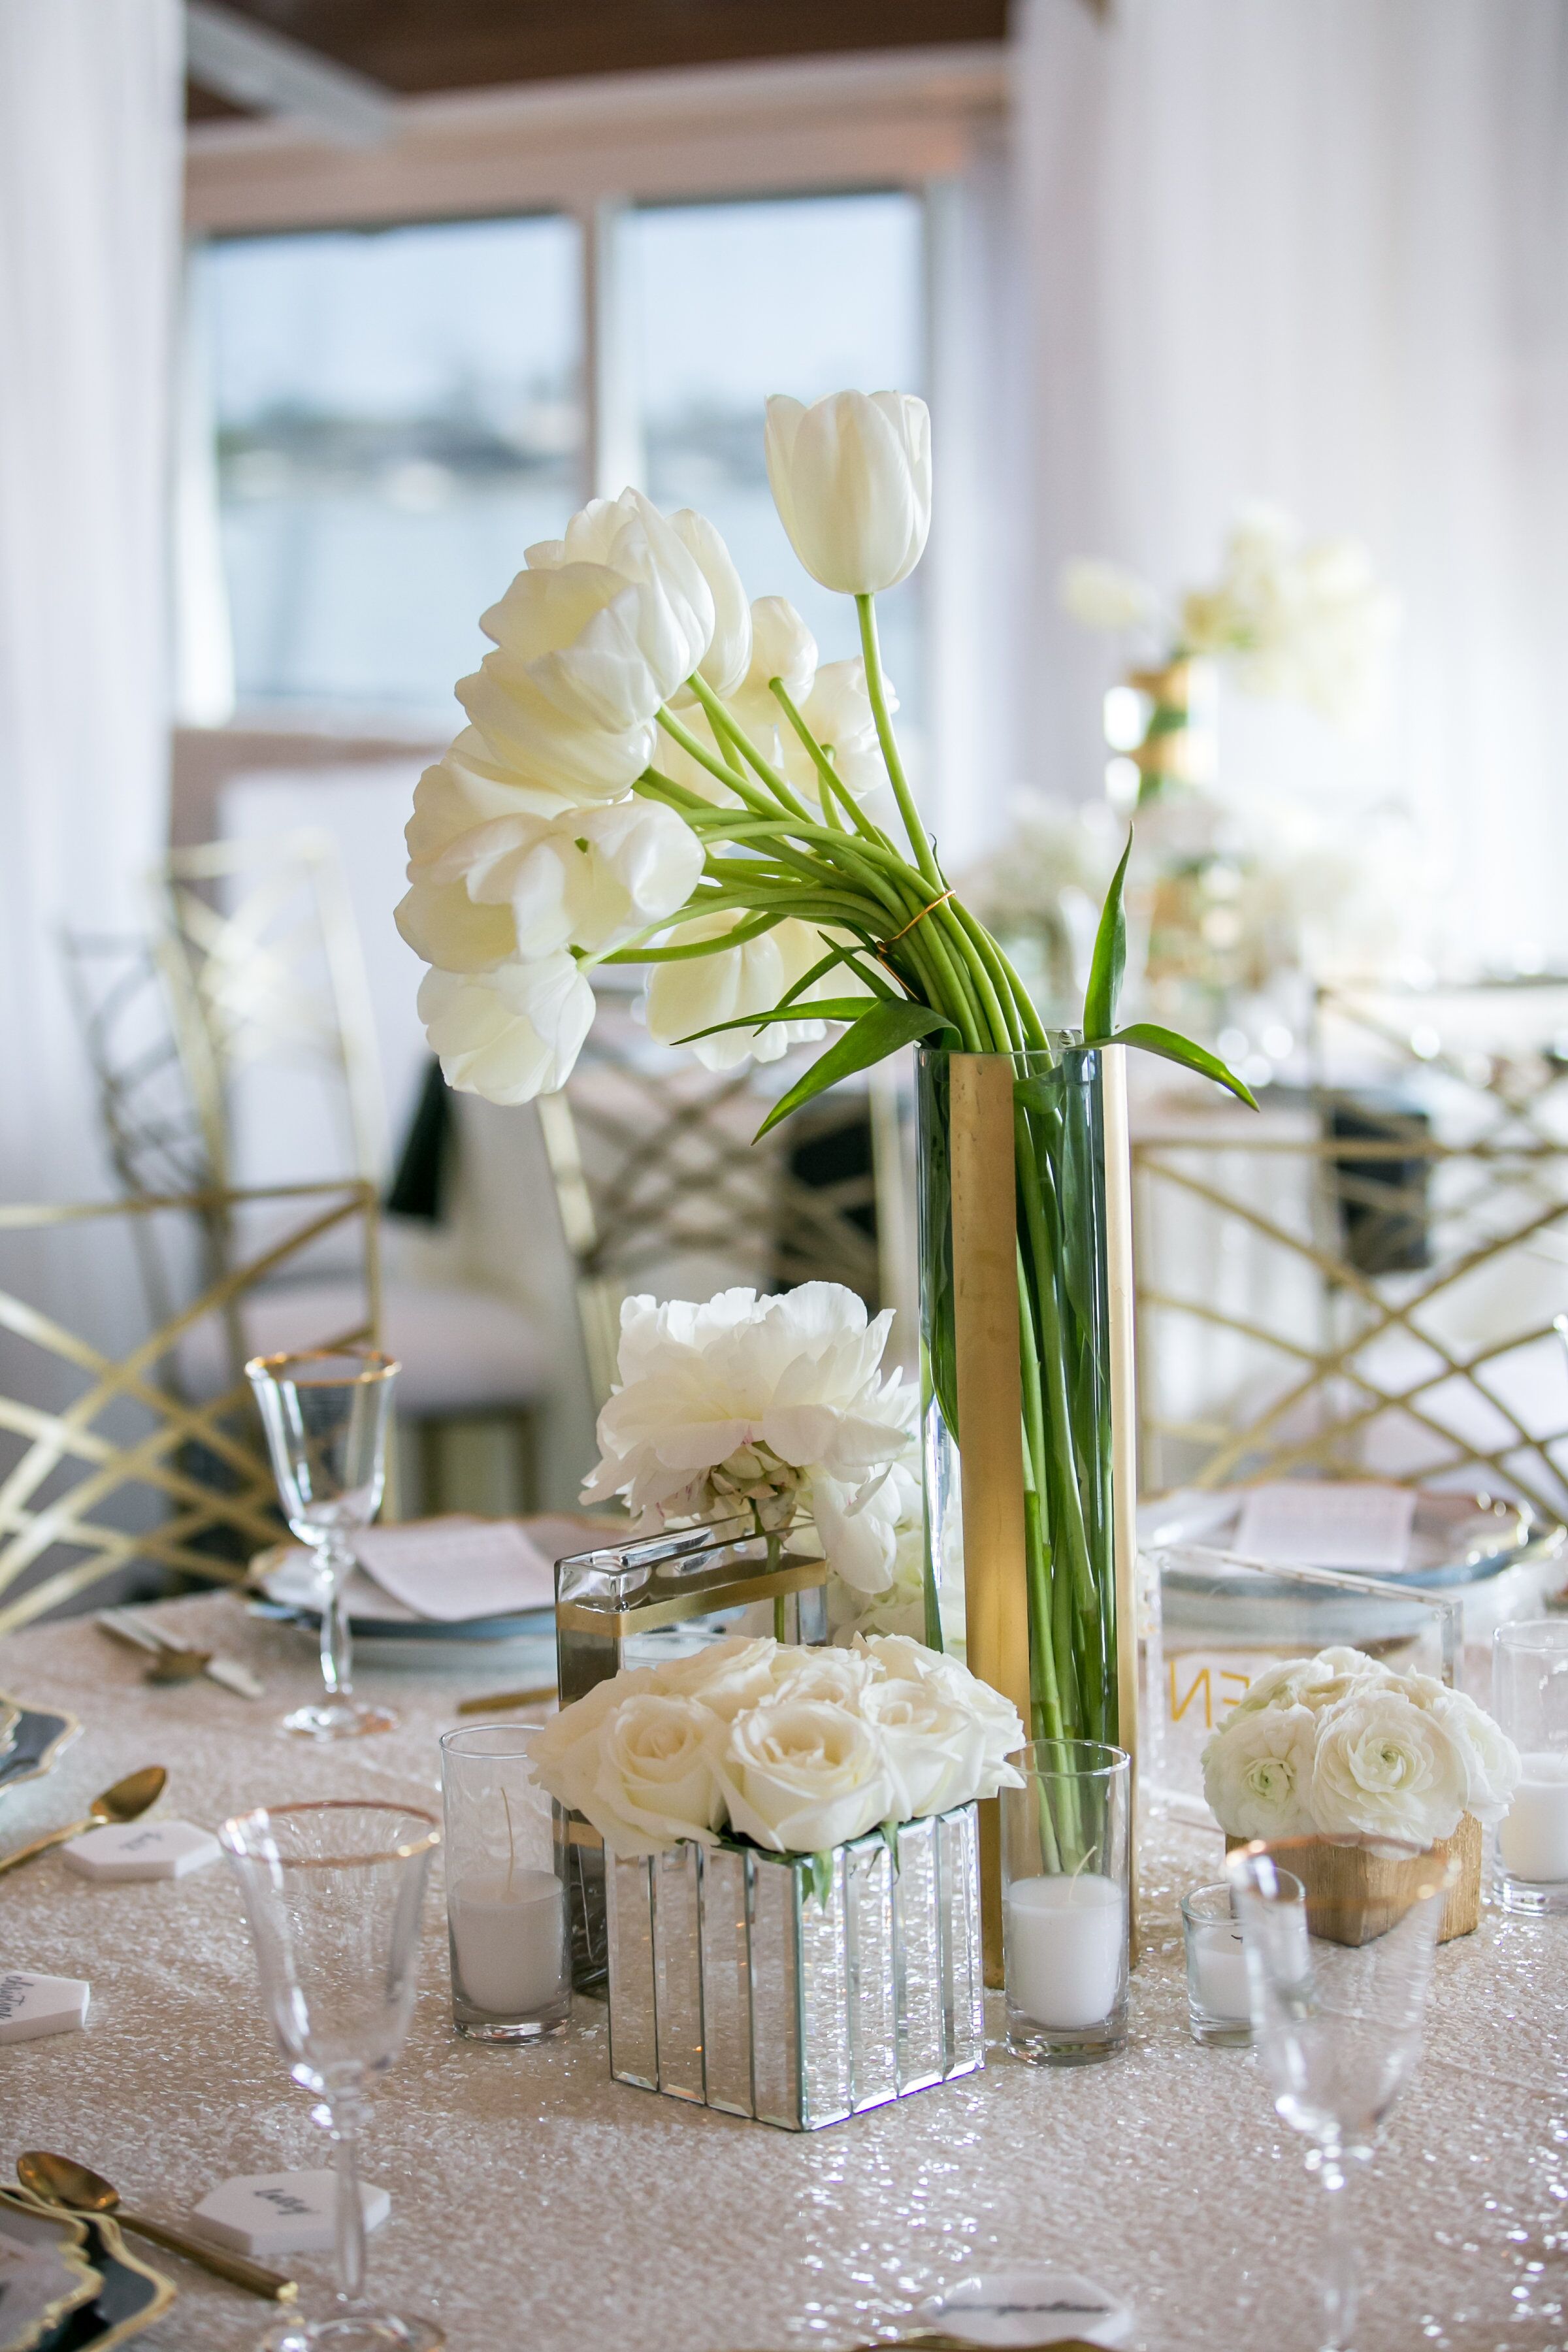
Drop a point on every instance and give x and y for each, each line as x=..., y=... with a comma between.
x=127, y=2294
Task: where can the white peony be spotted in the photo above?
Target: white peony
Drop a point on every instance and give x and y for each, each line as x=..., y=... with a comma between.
x=737, y=1401
x=1386, y=1768
x=851, y=479
x=585, y=878
x=1104, y=596
x=802, y=1775
x=656, y=1774
x=1258, y=1771
x=511, y=1033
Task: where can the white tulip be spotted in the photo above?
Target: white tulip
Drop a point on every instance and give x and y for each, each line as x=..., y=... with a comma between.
x=735, y=1402
x=802, y=1776
x=444, y=927
x=672, y=760
x=783, y=647
x=587, y=877
x=851, y=479
x=630, y=537
x=508, y=1035
x=729, y=653
x=839, y=713
x=699, y=990
x=522, y=705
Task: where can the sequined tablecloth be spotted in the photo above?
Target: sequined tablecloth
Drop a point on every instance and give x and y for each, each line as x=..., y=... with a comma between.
x=534, y=2203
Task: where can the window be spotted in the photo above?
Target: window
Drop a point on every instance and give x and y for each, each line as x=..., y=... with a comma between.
x=399, y=415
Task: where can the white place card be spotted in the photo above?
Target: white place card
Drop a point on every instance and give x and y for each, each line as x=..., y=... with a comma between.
x=131, y=1850
x=1031, y=2303
x=1325, y=1523
x=31, y=2005
x=266, y=2213
x=454, y=1568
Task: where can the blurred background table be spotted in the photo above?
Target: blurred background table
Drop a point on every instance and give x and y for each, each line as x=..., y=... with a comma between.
x=533, y=2200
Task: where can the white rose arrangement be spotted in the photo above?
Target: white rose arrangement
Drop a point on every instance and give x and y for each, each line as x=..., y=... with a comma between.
x=1341, y=1746
x=796, y=1750
x=771, y=1406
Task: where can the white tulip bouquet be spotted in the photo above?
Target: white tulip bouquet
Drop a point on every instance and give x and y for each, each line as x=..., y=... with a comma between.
x=797, y=1750
x=1342, y=1747
x=657, y=772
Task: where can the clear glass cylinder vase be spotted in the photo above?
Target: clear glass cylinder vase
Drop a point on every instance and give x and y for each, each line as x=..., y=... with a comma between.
x=1017, y=1379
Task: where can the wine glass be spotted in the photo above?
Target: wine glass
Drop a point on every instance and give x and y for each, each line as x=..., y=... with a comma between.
x=326, y=1414
x=1339, y=1990
x=332, y=1894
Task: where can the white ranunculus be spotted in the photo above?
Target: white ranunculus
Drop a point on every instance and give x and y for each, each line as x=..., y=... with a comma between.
x=898, y=1658
x=656, y=1775
x=736, y=1402
x=936, y=1748
x=508, y=1035
x=698, y=992
x=802, y=1776
x=1488, y=1756
x=1257, y=1771
x=729, y=654
x=851, y=479
x=1104, y=596
x=586, y=878
x=1386, y=1767
x=1319, y=1682
x=726, y=1676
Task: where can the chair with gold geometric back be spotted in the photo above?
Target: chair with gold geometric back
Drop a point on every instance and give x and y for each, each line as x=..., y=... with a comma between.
x=1362, y=1279
x=661, y=1187
x=131, y=1459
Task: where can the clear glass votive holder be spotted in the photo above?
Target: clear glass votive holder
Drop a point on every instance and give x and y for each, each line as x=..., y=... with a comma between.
x=506, y=1890
x=1530, y=1700
x=1219, y=1994
x=1064, y=1901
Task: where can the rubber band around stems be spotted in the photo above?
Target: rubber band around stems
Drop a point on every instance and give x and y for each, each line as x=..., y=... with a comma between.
x=883, y=945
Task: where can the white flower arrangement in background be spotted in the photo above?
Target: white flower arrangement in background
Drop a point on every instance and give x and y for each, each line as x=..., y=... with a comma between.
x=796, y=1750
x=1291, y=621
x=1340, y=1746
x=774, y=1406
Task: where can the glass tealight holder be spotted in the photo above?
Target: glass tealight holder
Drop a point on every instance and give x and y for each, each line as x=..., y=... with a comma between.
x=506, y=1890
x=1219, y=1998
x=1064, y=1901
x=1530, y=1700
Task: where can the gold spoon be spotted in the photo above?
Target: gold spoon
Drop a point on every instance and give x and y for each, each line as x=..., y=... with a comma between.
x=124, y=1802
x=60, y=2180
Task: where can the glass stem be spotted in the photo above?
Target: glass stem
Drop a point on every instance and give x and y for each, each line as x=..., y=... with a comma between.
x=337, y=1657
x=347, y=2116
x=1339, y=2261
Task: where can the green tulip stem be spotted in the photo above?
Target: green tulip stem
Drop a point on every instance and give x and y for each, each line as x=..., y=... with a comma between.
x=877, y=687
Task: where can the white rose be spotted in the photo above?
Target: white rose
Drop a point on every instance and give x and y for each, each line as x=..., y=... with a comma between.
x=901, y=1659
x=565, y=1752
x=1489, y=1757
x=936, y=1748
x=802, y=1776
x=1386, y=1768
x=656, y=1777
x=1257, y=1771
x=726, y=1676
x=834, y=1677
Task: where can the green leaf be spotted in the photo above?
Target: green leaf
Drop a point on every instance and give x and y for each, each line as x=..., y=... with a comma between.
x=879, y=1031
x=1151, y=1039
x=819, y=1868
x=820, y=1008
x=1110, y=960
x=874, y=980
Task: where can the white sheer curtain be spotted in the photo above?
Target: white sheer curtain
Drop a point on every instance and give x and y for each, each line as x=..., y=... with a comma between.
x=1311, y=250
x=90, y=139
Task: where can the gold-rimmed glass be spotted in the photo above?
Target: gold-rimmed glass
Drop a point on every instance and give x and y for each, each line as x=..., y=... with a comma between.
x=1339, y=1995
x=327, y=1412
x=332, y=1895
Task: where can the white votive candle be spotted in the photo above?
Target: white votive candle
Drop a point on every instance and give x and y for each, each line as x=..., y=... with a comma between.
x=1066, y=1940
x=1219, y=1967
x=507, y=1944
x=1532, y=1837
